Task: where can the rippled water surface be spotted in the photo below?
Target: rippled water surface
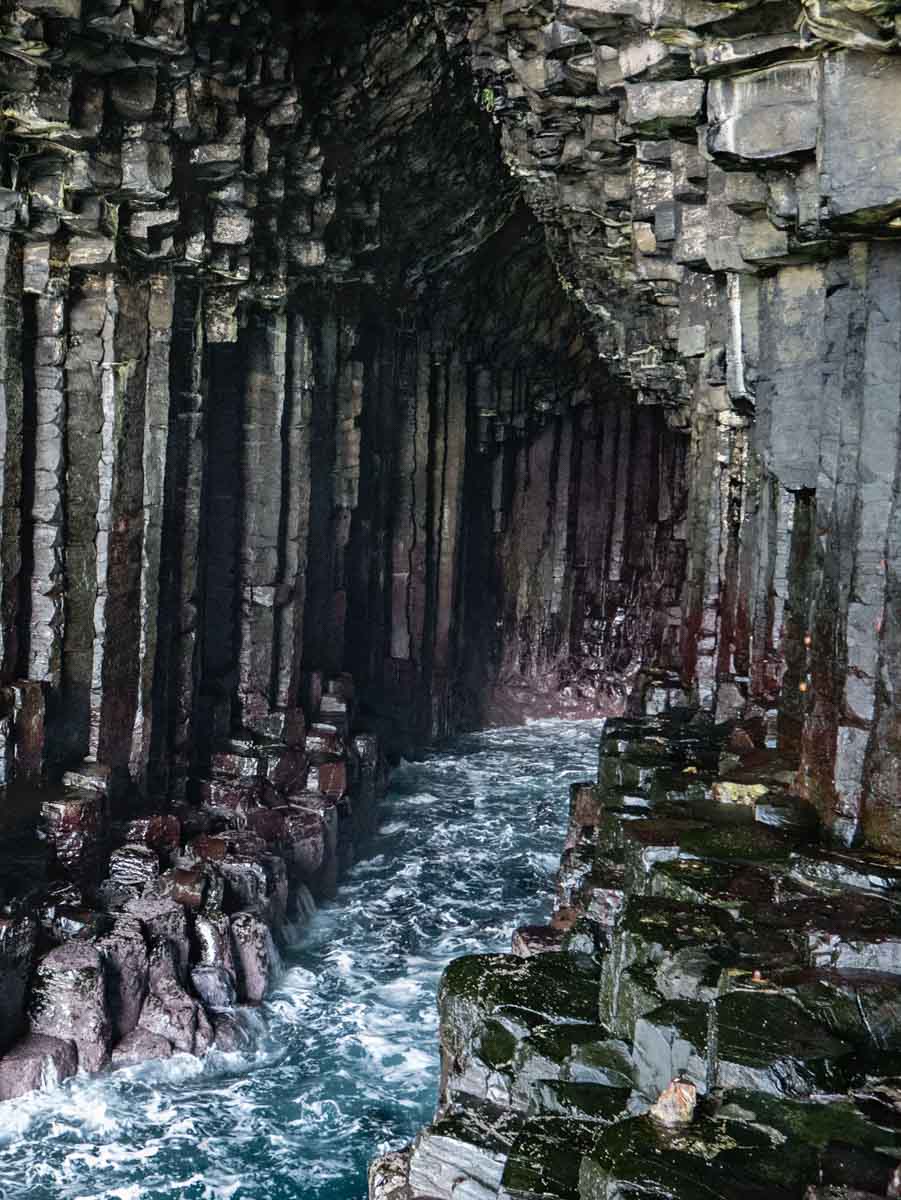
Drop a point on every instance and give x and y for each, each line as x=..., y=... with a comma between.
x=347, y=1062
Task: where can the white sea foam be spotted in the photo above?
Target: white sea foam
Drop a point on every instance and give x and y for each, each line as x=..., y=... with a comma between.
x=345, y=1061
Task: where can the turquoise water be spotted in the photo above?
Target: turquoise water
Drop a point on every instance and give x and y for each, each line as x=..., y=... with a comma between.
x=346, y=1061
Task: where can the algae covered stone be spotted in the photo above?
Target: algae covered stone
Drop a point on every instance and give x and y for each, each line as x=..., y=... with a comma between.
x=768, y=1043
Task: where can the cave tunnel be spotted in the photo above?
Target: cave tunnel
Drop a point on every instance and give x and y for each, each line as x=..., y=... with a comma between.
x=373, y=373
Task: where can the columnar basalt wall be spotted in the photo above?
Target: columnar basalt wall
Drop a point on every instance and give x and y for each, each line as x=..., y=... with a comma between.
x=430, y=365
x=305, y=441
x=720, y=189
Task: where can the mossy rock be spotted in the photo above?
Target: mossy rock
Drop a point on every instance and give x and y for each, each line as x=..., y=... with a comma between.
x=708, y=1160
x=467, y=1144
x=859, y=1006
x=654, y=927
x=490, y=1003
x=649, y=842
x=581, y=1101
x=816, y=1124
x=635, y=993
x=584, y=1053
x=545, y=1159
x=563, y=985
x=701, y=881
x=671, y=1042
x=651, y=933
x=768, y=1043
x=741, y=843
x=852, y=1148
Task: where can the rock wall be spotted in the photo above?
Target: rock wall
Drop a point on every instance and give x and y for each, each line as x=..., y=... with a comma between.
x=456, y=361
x=720, y=189
x=713, y=1009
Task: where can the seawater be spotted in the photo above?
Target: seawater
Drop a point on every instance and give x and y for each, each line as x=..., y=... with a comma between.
x=345, y=1063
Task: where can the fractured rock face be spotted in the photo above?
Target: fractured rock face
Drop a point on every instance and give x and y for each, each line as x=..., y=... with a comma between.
x=69, y=1002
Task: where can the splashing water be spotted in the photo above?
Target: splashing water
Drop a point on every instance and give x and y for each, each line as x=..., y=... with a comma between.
x=346, y=1063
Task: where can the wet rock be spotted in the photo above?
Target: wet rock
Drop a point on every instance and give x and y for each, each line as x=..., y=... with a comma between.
x=285, y=769
x=768, y=1043
x=462, y=1153
x=37, y=1063
x=165, y=928
x=214, y=985
x=160, y=832
x=230, y=799
x=388, y=1177
x=193, y=888
x=140, y=1046
x=89, y=777
x=671, y=1042
x=858, y=1006
x=703, y=1159
x=255, y=956
x=133, y=867
x=68, y=1002
x=559, y=988
x=545, y=1159
x=126, y=970
x=18, y=941
x=74, y=826
x=212, y=933
x=231, y=1036
x=536, y=939
x=170, y=1013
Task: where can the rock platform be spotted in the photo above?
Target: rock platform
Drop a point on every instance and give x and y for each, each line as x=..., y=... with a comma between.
x=714, y=1010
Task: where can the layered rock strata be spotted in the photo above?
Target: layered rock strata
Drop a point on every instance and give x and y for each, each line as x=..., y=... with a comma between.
x=713, y=1010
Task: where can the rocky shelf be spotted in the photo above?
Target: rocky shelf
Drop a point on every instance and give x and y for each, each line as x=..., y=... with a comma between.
x=714, y=1009
x=129, y=936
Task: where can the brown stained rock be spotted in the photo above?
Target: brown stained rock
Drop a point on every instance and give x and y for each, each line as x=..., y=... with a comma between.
x=141, y=1046
x=305, y=840
x=160, y=832
x=126, y=969
x=329, y=778
x=285, y=769
x=69, y=1001
x=194, y=888
x=269, y=825
x=134, y=866
x=36, y=1063
x=74, y=825
x=324, y=742
x=676, y=1104
x=165, y=928
x=536, y=939
x=170, y=1013
x=29, y=718
x=230, y=799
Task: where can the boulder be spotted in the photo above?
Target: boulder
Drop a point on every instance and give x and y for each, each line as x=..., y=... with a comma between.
x=36, y=1063
x=126, y=969
x=69, y=1002
x=170, y=1013
x=165, y=929
x=256, y=958
x=140, y=1046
